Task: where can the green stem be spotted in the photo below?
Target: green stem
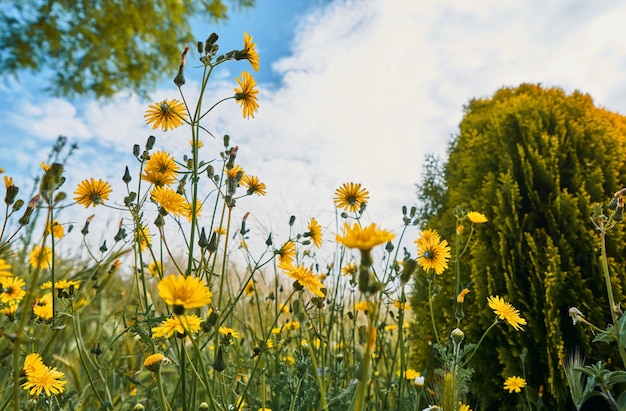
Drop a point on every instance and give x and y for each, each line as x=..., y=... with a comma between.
x=430, y=306
x=364, y=368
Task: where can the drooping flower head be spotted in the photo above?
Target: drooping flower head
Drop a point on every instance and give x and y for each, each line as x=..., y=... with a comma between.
x=168, y=114
x=249, y=52
x=169, y=199
x=253, y=185
x=188, y=292
x=286, y=253
x=506, y=311
x=246, y=94
x=351, y=197
x=363, y=238
x=514, y=384
x=92, y=192
x=315, y=233
x=433, y=252
x=305, y=277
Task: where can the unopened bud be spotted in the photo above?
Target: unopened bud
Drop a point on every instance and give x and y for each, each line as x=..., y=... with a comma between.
x=219, y=365
x=18, y=204
x=126, y=178
x=150, y=142
x=11, y=194
x=136, y=150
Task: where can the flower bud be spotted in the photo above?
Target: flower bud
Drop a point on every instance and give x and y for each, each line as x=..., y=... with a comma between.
x=220, y=364
x=11, y=194
x=18, y=204
x=126, y=178
x=150, y=142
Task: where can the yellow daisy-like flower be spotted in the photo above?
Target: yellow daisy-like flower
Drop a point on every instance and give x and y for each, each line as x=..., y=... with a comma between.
x=253, y=185
x=181, y=324
x=143, y=237
x=45, y=379
x=232, y=173
x=92, y=192
x=169, y=199
x=153, y=362
x=305, y=277
x=246, y=94
x=291, y=325
x=32, y=363
x=11, y=289
x=476, y=217
x=5, y=269
x=10, y=310
x=61, y=284
x=249, y=53
x=363, y=238
x=168, y=114
x=365, y=306
x=351, y=196
x=40, y=257
x=391, y=327
x=43, y=307
x=401, y=306
x=187, y=212
x=464, y=407
x=287, y=253
x=315, y=233
x=229, y=331
x=506, y=311
x=155, y=269
x=249, y=289
x=188, y=292
x=433, y=252
x=57, y=230
x=349, y=269
x=411, y=374
x=161, y=169
x=514, y=384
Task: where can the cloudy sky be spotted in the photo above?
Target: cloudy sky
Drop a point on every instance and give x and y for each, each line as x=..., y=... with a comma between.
x=349, y=91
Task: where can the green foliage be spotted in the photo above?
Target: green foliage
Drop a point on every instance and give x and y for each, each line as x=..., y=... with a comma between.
x=101, y=47
x=533, y=160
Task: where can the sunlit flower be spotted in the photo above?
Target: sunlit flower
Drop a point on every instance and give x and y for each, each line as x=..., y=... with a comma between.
x=315, y=233
x=58, y=231
x=253, y=185
x=286, y=253
x=44, y=166
x=351, y=196
x=506, y=311
x=464, y=407
x=61, y=284
x=187, y=212
x=476, y=217
x=168, y=114
x=305, y=277
x=291, y=325
x=391, y=327
x=461, y=297
x=200, y=143
x=5, y=269
x=155, y=269
x=289, y=359
x=249, y=288
x=43, y=307
x=514, y=384
x=40, y=378
x=246, y=94
x=8, y=181
x=188, y=292
x=40, y=257
x=365, y=306
x=433, y=252
x=143, y=237
x=181, y=324
x=249, y=53
x=153, y=362
x=169, y=199
x=160, y=169
x=10, y=310
x=220, y=230
x=92, y=192
x=349, y=269
x=411, y=374
x=363, y=238
x=401, y=306
x=229, y=331
x=233, y=172
x=11, y=289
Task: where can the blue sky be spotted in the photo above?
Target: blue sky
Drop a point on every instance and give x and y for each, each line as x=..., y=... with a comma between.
x=349, y=91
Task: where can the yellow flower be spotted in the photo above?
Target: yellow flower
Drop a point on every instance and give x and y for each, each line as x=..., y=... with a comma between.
x=160, y=169
x=10, y=310
x=44, y=166
x=363, y=238
x=246, y=95
x=349, y=269
x=286, y=253
x=433, y=252
x=514, y=384
x=153, y=362
x=315, y=233
x=5, y=269
x=61, y=284
x=92, y=192
x=253, y=185
x=169, y=199
x=229, y=331
x=249, y=53
x=43, y=307
x=57, y=229
x=391, y=327
x=351, y=197
x=11, y=289
x=411, y=374
x=8, y=181
x=249, y=288
x=233, y=172
x=506, y=311
x=461, y=297
x=187, y=211
x=476, y=217
x=167, y=114
x=464, y=407
x=365, y=306
x=181, y=324
x=143, y=237
x=401, y=306
x=41, y=378
x=40, y=257
x=188, y=292
x=289, y=359
x=155, y=269
x=304, y=277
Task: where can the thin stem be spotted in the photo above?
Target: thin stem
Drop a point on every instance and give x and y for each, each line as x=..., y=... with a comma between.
x=430, y=306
